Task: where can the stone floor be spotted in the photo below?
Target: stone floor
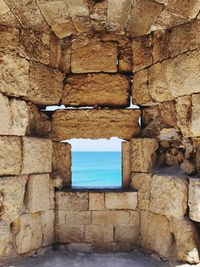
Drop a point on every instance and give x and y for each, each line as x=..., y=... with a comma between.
x=67, y=259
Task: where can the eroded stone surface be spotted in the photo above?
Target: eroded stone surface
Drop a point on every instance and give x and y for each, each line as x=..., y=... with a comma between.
x=194, y=198
x=121, y=201
x=96, y=201
x=126, y=164
x=72, y=201
x=99, y=233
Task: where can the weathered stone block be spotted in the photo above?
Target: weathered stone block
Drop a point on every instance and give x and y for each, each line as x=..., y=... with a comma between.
x=72, y=201
x=121, y=200
x=48, y=224
x=195, y=120
x=95, y=124
x=70, y=234
x=12, y=191
x=96, y=201
x=142, y=183
x=37, y=155
x=169, y=195
x=126, y=164
x=9, y=39
x=74, y=217
x=46, y=85
x=127, y=233
x=38, y=193
x=155, y=233
x=7, y=18
x=143, y=154
x=99, y=233
x=186, y=238
x=194, y=199
x=5, y=239
x=62, y=161
x=14, y=75
x=96, y=89
x=10, y=155
x=29, y=236
x=93, y=56
x=110, y=217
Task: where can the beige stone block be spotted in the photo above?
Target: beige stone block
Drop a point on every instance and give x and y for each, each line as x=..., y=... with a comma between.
x=186, y=238
x=38, y=193
x=7, y=18
x=95, y=124
x=142, y=183
x=179, y=75
x=10, y=155
x=121, y=200
x=72, y=201
x=48, y=224
x=96, y=201
x=12, y=191
x=70, y=234
x=143, y=155
x=92, y=56
x=169, y=195
x=29, y=236
x=14, y=75
x=126, y=164
x=37, y=155
x=5, y=239
x=79, y=247
x=74, y=217
x=194, y=199
x=35, y=45
x=9, y=38
x=155, y=233
x=110, y=217
x=46, y=85
x=127, y=233
x=96, y=89
x=195, y=120
x=62, y=161
x=99, y=233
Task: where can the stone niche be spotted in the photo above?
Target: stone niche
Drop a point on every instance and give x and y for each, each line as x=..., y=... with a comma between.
x=92, y=59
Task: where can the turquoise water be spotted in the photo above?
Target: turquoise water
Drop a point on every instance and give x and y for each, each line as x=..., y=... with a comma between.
x=96, y=170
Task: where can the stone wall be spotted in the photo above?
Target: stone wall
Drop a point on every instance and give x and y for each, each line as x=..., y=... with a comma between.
x=103, y=55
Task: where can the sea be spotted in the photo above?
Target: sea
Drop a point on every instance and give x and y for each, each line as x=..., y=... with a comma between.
x=96, y=170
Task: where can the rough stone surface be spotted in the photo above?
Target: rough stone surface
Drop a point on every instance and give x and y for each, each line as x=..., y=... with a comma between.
x=143, y=156
x=121, y=201
x=5, y=239
x=107, y=217
x=68, y=201
x=48, y=225
x=96, y=201
x=99, y=233
x=101, y=57
x=169, y=195
x=95, y=124
x=62, y=161
x=126, y=233
x=96, y=89
x=126, y=164
x=155, y=233
x=9, y=41
x=37, y=155
x=46, y=85
x=12, y=191
x=184, y=109
x=195, y=120
x=194, y=199
x=10, y=155
x=38, y=193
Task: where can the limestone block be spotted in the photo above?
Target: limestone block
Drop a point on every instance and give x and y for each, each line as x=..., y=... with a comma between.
x=93, y=56
x=10, y=155
x=169, y=195
x=72, y=201
x=46, y=85
x=9, y=39
x=79, y=247
x=184, y=109
x=39, y=124
x=14, y=75
x=71, y=233
x=7, y=18
x=38, y=193
x=142, y=183
x=37, y=155
x=194, y=199
x=186, y=238
x=143, y=154
x=73, y=218
x=62, y=161
x=48, y=221
x=99, y=233
x=5, y=239
x=155, y=233
x=178, y=75
x=95, y=124
x=143, y=14
x=126, y=233
x=110, y=217
x=195, y=120
x=96, y=201
x=96, y=89
x=27, y=13
x=29, y=236
x=126, y=164
x=12, y=191
x=35, y=45
x=121, y=200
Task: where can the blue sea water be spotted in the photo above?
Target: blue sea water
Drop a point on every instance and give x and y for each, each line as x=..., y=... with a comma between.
x=96, y=170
